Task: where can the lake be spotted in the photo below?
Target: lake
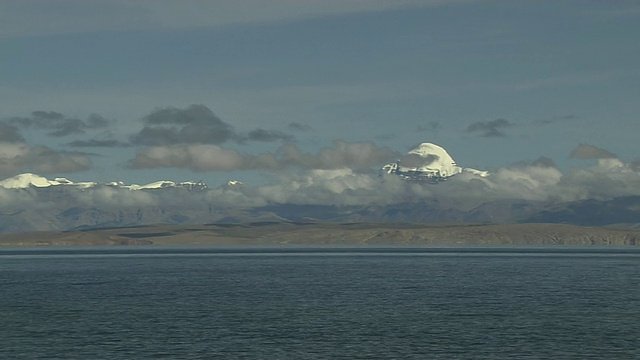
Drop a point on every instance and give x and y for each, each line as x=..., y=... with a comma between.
x=320, y=303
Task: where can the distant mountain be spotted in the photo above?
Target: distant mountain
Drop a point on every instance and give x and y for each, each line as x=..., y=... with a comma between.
x=29, y=180
x=34, y=203
x=428, y=163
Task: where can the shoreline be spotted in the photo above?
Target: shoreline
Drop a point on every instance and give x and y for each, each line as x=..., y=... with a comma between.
x=332, y=234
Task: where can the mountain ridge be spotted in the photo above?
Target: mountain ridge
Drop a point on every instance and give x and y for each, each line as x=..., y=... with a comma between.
x=429, y=163
x=28, y=180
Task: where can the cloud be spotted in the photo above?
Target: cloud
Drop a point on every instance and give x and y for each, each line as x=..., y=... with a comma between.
x=20, y=157
x=58, y=124
x=209, y=157
x=536, y=182
x=267, y=135
x=196, y=124
x=493, y=128
x=9, y=133
x=295, y=126
x=340, y=155
x=109, y=143
x=586, y=151
x=200, y=157
x=542, y=161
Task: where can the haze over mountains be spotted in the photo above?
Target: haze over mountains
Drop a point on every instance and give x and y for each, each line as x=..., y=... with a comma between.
x=424, y=186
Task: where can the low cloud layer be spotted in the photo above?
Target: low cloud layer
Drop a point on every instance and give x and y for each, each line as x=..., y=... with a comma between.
x=327, y=177
x=20, y=157
x=205, y=157
x=529, y=183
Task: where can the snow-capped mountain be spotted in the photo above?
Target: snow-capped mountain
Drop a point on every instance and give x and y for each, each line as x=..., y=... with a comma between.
x=428, y=163
x=28, y=180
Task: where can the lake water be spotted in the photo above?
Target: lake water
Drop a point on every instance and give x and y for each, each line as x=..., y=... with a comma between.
x=304, y=303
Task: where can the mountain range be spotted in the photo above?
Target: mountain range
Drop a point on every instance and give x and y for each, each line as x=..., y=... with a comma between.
x=29, y=180
x=34, y=203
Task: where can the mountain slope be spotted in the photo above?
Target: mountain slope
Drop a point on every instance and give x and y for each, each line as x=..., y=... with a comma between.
x=429, y=163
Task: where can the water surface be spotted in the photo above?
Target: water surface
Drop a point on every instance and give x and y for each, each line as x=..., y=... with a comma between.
x=309, y=303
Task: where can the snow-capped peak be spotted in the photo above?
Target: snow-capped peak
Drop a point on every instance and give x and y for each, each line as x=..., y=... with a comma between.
x=428, y=162
x=27, y=180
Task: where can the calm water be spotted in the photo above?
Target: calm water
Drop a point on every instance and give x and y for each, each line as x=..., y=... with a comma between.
x=320, y=304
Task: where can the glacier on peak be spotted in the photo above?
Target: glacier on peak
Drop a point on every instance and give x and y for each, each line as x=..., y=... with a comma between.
x=28, y=180
x=429, y=163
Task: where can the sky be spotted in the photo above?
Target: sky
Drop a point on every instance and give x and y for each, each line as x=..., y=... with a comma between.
x=250, y=90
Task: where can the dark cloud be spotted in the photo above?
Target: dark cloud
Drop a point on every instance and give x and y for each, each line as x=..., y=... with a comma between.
x=544, y=161
x=10, y=133
x=493, y=128
x=156, y=136
x=20, y=157
x=58, y=124
x=267, y=135
x=97, y=143
x=431, y=126
x=295, y=126
x=195, y=124
x=43, y=159
x=209, y=157
x=192, y=115
x=586, y=151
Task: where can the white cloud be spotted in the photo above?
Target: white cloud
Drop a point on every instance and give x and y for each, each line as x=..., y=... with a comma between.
x=207, y=157
x=20, y=157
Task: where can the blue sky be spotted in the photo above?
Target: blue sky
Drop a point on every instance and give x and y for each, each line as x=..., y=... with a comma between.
x=493, y=82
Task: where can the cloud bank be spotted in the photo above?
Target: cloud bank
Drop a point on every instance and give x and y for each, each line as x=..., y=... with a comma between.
x=207, y=157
